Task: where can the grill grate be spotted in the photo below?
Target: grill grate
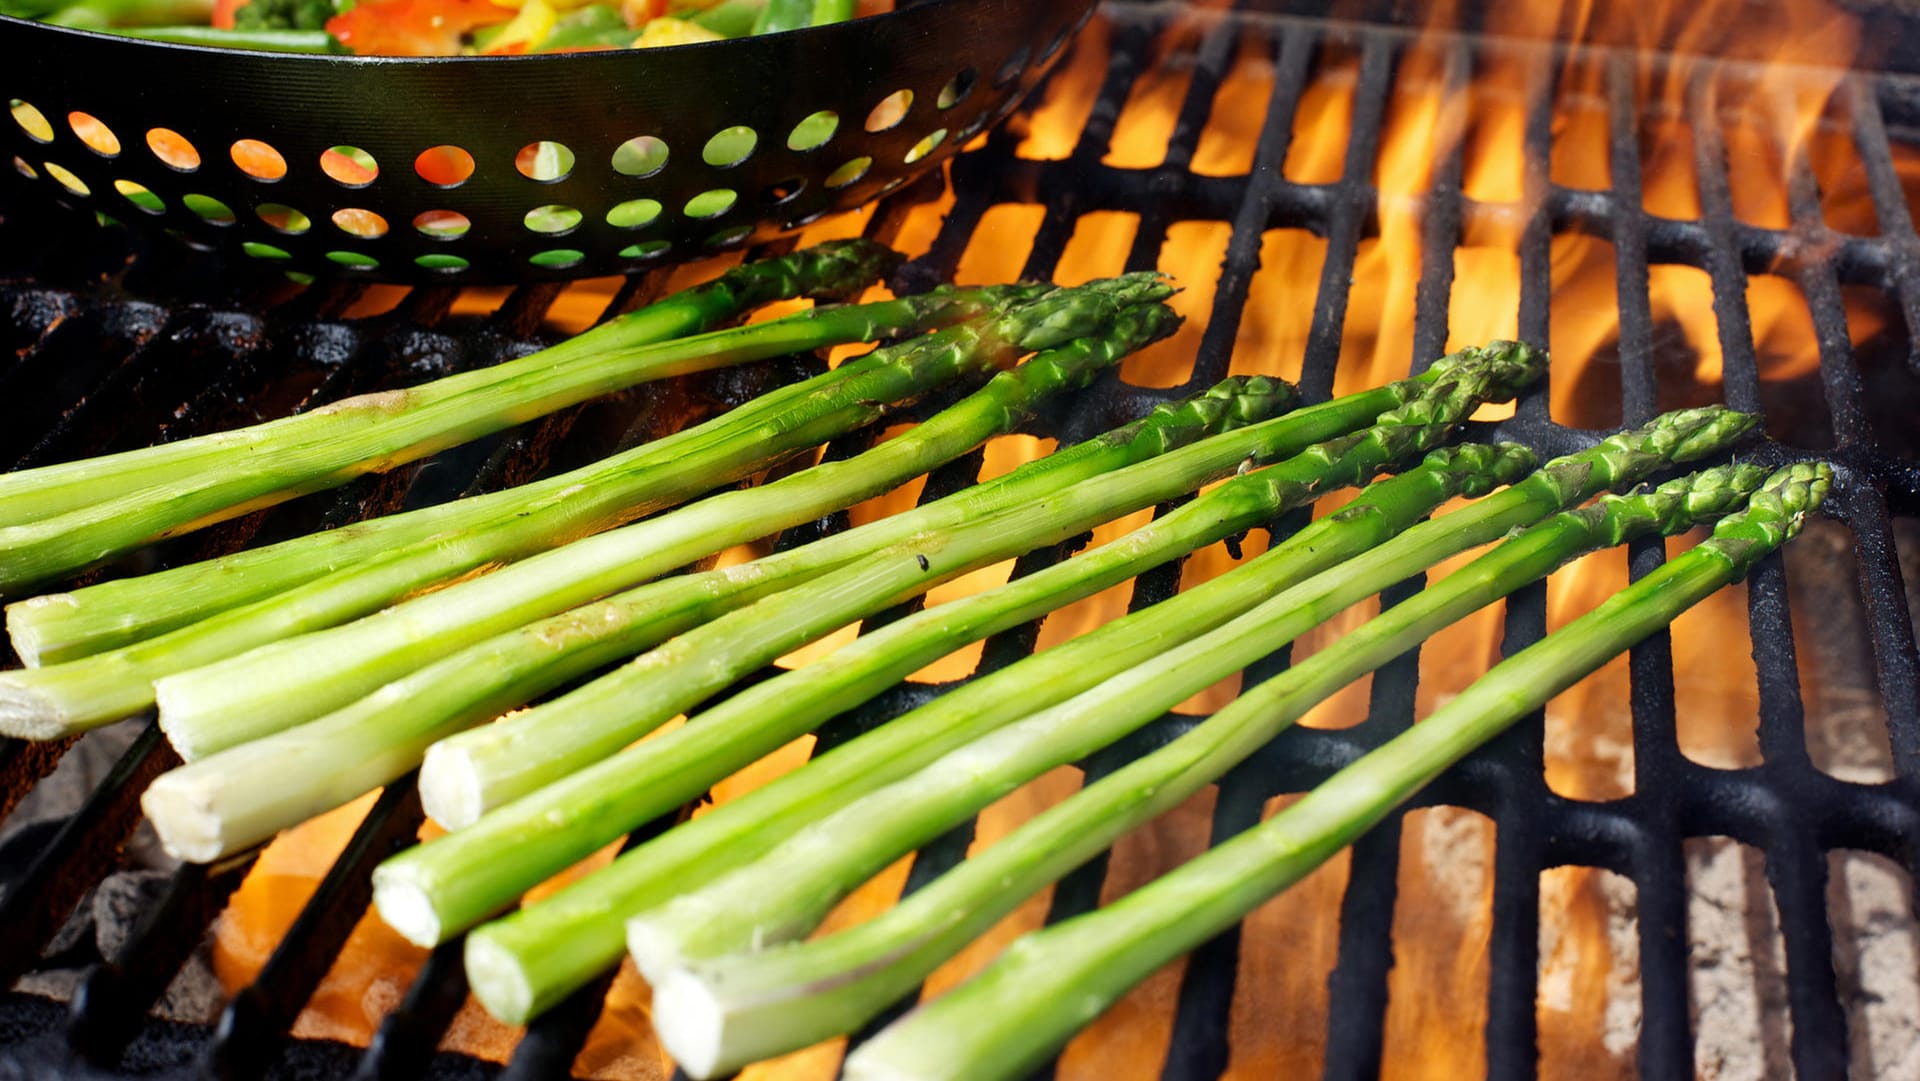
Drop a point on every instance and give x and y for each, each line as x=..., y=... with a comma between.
x=111, y=371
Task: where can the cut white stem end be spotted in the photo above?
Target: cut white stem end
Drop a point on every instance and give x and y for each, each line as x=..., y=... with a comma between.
x=450, y=786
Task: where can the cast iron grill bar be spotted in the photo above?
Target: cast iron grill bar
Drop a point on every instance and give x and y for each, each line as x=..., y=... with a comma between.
x=1664, y=993
x=1514, y=944
x=1889, y=203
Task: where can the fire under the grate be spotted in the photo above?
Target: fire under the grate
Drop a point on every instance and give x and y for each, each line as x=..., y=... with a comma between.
x=1629, y=887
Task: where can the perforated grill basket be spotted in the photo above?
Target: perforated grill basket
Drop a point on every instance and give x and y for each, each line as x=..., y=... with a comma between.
x=511, y=168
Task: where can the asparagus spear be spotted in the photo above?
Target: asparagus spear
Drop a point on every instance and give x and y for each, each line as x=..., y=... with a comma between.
x=248, y=696
x=446, y=886
x=782, y=15
x=1047, y=985
x=243, y=795
x=69, y=697
x=485, y=768
x=526, y=961
x=66, y=626
x=541, y=953
x=129, y=499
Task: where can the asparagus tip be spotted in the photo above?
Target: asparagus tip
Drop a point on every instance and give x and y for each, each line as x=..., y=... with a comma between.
x=690, y=1023
x=497, y=980
x=404, y=906
x=26, y=713
x=184, y=819
x=450, y=786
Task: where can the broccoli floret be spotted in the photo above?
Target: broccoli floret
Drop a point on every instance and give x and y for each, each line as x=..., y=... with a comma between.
x=284, y=15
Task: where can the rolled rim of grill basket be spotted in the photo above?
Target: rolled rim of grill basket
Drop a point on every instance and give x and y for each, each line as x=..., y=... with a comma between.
x=572, y=165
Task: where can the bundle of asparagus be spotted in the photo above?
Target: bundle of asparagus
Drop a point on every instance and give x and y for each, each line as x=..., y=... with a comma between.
x=1047, y=985
x=391, y=558
x=59, y=518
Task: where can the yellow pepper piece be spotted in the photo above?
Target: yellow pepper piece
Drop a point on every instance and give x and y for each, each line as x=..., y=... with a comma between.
x=526, y=30
x=670, y=31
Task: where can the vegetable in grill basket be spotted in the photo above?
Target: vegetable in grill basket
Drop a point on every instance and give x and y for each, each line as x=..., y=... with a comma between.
x=59, y=518
x=856, y=975
x=96, y=689
x=460, y=878
x=442, y=27
x=1049, y=984
x=245, y=794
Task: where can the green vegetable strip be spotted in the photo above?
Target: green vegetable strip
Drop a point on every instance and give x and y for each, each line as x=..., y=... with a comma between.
x=447, y=885
x=64, y=517
x=94, y=690
x=1047, y=985
x=61, y=627
x=550, y=948
x=287, y=682
x=243, y=795
x=264, y=40
x=782, y=15
x=527, y=961
x=483, y=769
x=828, y=858
x=826, y=12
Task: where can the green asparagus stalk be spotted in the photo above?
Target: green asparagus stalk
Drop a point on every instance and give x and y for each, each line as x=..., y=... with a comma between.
x=64, y=517
x=446, y=886
x=94, y=690
x=541, y=953
x=783, y=15
x=485, y=768
x=528, y=960
x=824, y=860
x=826, y=12
x=243, y=795
x=1047, y=985
x=262, y=40
x=53, y=628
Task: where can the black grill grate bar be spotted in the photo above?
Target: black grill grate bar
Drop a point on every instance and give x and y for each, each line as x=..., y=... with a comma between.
x=1638, y=397
x=250, y=1031
x=1889, y=202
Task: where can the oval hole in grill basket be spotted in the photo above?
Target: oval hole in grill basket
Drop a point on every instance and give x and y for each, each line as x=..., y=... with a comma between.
x=730, y=146
x=173, y=150
x=727, y=238
x=712, y=204
x=355, y=221
x=634, y=213
x=349, y=166
x=553, y=219
x=208, y=209
x=890, y=112
x=32, y=121
x=443, y=263
x=283, y=219
x=21, y=166
x=99, y=138
x=441, y=225
x=264, y=251
x=782, y=192
x=815, y=131
x=545, y=161
x=652, y=249
x=958, y=89
x=353, y=260
x=1011, y=70
x=66, y=178
x=1059, y=39
x=849, y=173
x=557, y=257
x=444, y=166
x=641, y=156
x=141, y=196
x=257, y=159
x=926, y=146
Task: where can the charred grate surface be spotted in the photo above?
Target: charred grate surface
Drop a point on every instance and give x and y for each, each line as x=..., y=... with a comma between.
x=147, y=346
